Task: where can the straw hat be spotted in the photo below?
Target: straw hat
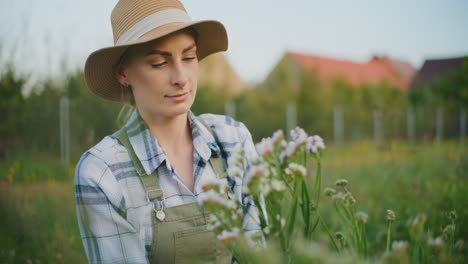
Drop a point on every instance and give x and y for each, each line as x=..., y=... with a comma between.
x=141, y=21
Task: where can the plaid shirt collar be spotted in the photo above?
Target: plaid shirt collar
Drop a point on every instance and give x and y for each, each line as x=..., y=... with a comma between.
x=151, y=154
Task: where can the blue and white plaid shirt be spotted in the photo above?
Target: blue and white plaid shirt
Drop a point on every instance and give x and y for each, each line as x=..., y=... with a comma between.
x=114, y=215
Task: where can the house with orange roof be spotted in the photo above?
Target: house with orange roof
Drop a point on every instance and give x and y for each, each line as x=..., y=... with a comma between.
x=377, y=70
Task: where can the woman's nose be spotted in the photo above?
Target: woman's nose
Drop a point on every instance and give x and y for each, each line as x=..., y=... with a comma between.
x=179, y=75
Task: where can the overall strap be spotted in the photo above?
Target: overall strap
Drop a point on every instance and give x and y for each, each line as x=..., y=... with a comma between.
x=150, y=182
x=216, y=161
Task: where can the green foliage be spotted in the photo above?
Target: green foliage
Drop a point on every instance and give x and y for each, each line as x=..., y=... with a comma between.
x=38, y=224
x=91, y=118
x=210, y=100
x=39, y=220
x=30, y=167
x=11, y=109
x=357, y=211
x=451, y=88
x=261, y=111
x=41, y=108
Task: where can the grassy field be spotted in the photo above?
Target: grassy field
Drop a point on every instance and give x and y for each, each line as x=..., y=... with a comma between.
x=38, y=221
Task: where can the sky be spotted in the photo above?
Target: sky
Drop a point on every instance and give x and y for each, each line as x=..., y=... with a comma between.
x=52, y=37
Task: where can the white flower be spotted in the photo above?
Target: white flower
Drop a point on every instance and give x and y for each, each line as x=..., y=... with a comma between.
x=361, y=216
x=277, y=185
x=295, y=169
x=338, y=197
x=341, y=183
x=213, y=223
x=284, y=143
x=419, y=218
x=229, y=235
x=236, y=158
x=291, y=148
x=435, y=243
x=399, y=245
x=264, y=187
x=314, y=144
x=254, y=172
x=216, y=198
x=390, y=216
x=265, y=147
x=277, y=137
x=235, y=172
x=239, y=214
x=298, y=135
x=281, y=220
x=448, y=231
x=212, y=184
x=349, y=199
x=329, y=191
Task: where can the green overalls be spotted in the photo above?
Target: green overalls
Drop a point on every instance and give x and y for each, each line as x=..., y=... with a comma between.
x=180, y=233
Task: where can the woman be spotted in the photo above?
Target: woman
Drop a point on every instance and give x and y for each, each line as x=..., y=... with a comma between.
x=137, y=189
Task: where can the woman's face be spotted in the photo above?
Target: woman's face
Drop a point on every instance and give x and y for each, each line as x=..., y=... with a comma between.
x=163, y=75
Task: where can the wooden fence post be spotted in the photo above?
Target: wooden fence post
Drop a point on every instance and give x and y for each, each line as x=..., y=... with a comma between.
x=230, y=109
x=338, y=125
x=378, y=131
x=411, y=128
x=291, y=117
x=64, y=131
x=439, y=124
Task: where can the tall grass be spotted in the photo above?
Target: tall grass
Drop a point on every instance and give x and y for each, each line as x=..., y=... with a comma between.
x=38, y=221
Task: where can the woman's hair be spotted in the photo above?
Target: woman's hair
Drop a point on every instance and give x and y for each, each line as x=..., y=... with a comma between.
x=127, y=109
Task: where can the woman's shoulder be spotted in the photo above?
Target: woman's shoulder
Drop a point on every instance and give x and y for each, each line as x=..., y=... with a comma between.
x=224, y=125
x=97, y=159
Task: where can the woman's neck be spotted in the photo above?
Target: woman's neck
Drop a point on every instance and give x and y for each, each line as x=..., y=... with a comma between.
x=173, y=133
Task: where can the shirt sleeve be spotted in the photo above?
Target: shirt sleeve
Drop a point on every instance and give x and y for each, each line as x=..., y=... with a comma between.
x=106, y=234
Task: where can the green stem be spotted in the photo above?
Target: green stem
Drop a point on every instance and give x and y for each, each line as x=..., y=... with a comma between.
x=292, y=217
x=324, y=224
x=318, y=180
x=281, y=174
x=388, y=236
x=306, y=208
x=261, y=215
x=309, y=237
x=364, y=239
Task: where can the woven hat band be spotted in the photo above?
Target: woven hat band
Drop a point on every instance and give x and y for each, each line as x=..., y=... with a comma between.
x=151, y=22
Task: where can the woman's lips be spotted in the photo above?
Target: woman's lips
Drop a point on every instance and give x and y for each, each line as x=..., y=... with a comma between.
x=179, y=97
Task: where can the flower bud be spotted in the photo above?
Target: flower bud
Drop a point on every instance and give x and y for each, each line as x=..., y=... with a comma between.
x=452, y=215
x=448, y=232
x=341, y=183
x=390, y=216
x=436, y=243
x=361, y=216
x=338, y=197
x=399, y=246
x=329, y=191
x=349, y=199
x=339, y=236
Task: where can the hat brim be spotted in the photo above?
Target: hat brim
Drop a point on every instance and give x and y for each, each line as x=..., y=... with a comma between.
x=99, y=69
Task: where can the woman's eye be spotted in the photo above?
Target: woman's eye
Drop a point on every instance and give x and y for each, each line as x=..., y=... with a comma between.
x=189, y=58
x=158, y=65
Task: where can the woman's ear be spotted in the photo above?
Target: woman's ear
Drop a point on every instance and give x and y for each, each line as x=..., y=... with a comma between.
x=121, y=76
